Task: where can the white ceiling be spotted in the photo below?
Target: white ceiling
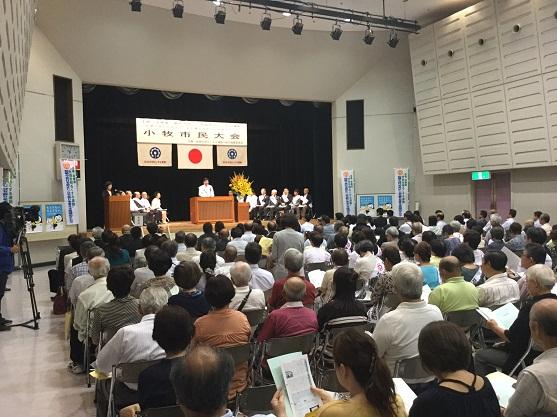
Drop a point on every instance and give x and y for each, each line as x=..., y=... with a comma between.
x=424, y=11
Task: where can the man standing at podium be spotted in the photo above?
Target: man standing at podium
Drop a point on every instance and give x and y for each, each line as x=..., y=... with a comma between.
x=206, y=190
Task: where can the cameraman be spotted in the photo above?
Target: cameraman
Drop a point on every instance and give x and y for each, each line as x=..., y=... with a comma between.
x=7, y=250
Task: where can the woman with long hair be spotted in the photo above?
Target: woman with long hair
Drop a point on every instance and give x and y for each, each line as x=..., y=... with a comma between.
x=208, y=264
x=113, y=250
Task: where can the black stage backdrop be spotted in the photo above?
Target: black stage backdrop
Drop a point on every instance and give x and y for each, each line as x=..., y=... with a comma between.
x=288, y=146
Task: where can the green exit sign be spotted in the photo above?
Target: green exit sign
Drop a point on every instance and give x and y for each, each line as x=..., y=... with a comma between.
x=481, y=175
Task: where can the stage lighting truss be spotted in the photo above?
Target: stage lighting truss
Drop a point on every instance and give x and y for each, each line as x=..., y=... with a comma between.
x=178, y=9
x=393, y=39
x=369, y=36
x=336, y=32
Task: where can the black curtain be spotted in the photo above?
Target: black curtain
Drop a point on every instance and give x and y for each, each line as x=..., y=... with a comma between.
x=288, y=146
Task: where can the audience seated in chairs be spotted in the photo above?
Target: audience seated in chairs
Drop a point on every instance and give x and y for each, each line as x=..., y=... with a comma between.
x=536, y=384
x=383, y=297
x=422, y=255
x=260, y=278
x=498, y=289
x=368, y=265
x=207, y=233
x=293, y=262
x=224, y=327
x=445, y=351
x=327, y=290
x=540, y=280
x=171, y=249
x=144, y=273
x=80, y=268
x=470, y=271
x=130, y=344
x=122, y=311
x=173, y=331
x=160, y=263
x=533, y=254
x=84, y=281
x=114, y=252
x=245, y=298
x=454, y=294
x=286, y=239
x=315, y=253
x=209, y=245
x=230, y=256
x=207, y=264
x=396, y=333
x=180, y=239
x=190, y=252
x=237, y=242
x=186, y=276
x=223, y=240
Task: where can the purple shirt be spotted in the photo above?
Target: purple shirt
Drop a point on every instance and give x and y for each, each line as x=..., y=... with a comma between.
x=292, y=319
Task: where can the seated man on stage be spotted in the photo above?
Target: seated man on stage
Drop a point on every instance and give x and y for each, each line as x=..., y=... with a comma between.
x=206, y=190
x=137, y=202
x=285, y=201
x=298, y=206
x=262, y=202
x=272, y=205
x=160, y=213
x=252, y=200
x=308, y=201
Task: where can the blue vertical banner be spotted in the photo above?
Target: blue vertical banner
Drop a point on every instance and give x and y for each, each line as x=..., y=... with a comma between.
x=69, y=187
x=401, y=191
x=348, y=191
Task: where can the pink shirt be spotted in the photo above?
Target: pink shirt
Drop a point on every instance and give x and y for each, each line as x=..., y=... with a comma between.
x=292, y=319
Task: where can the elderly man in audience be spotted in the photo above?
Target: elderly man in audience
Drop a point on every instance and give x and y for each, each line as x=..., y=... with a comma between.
x=533, y=254
x=537, y=384
x=223, y=326
x=133, y=343
x=538, y=235
x=190, y=252
x=122, y=311
x=82, y=267
x=248, y=235
x=237, y=242
x=230, y=255
x=292, y=319
x=160, y=263
x=391, y=236
x=539, y=281
x=202, y=382
x=454, y=294
x=293, y=262
x=144, y=273
x=499, y=289
x=288, y=238
x=315, y=252
x=516, y=239
x=208, y=244
x=246, y=298
x=396, y=333
x=260, y=278
x=84, y=281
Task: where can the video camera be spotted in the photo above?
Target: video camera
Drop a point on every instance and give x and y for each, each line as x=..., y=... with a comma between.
x=14, y=218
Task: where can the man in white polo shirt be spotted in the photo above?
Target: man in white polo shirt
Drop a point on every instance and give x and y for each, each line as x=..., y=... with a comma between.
x=206, y=190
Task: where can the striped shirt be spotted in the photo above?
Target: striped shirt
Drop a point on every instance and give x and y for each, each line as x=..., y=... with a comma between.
x=112, y=316
x=498, y=290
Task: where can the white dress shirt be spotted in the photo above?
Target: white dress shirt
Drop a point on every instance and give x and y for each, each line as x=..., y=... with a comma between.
x=507, y=223
x=307, y=227
x=224, y=269
x=188, y=254
x=498, y=290
x=261, y=199
x=396, y=333
x=145, y=204
x=369, y=266
x=142, y=275
x=240, y=245
x=261, y=278
x=256, y=300
x=135, y=204
x=252, y=200
x=156, y=204
x=79, y=285
x=130, y=344
x=90, y=298
x=206, y=191
x=248, y=236
x=314, y=255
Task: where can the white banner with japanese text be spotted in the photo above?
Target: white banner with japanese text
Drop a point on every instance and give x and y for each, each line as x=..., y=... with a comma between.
x=187, y=132
x=69, y=187
x=401, y=191
x=348, y=191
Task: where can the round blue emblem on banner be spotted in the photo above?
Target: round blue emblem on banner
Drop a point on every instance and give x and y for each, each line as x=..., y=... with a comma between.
x=232, y=154
x=155, y=152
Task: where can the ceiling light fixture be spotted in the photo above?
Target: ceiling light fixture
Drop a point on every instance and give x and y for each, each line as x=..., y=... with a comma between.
x=336, y=32
x=178, y=9
x=220, y=15
x=286, y=14
x=135, y=5
x=216, y=2
x=298, y=26
x=393, y=39
x=369, y=36
x=266, y=21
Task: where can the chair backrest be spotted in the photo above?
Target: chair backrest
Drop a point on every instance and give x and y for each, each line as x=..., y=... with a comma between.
x=255, y=317
x=172, y=411
x=468, y=320
x=336, y=326
x=323, y=266
x=283, y=345
x=239, y=353
x=255, y=400
x=267, y=294
x=329, y=382
x=129, y=372
x=410, y=368
x=520, y=363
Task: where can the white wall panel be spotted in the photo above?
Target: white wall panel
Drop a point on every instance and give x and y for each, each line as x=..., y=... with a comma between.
x=459, y=133
x=547, y=33
x=432, y=138
x=424, y=66
x=550, y=93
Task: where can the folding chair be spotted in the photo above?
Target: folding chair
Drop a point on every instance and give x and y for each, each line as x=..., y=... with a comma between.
x=255, y=317
x=172, y=411
x=125, y=373
x=255, y=400
x=521, y=362
x=328, y=381
x=470, y=321
x=323, y=266
x=241, y=354
x=410, y=369
x=87, y=347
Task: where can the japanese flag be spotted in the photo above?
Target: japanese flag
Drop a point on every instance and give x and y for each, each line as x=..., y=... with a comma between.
x=195, y=157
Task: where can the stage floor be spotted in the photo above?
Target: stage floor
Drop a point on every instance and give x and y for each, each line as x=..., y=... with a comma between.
x=189, y=227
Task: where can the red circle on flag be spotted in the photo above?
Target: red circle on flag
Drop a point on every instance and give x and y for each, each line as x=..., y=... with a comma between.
x=195, y=156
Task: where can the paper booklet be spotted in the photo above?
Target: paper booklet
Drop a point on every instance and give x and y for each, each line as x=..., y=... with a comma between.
x=405, y=392
x=504, y=316
x=316, y=277
x=503, y=385
x=513, y=260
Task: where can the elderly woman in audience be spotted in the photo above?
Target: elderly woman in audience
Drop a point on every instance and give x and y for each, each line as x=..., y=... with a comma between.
x=445, y=351
x=364, y=374
x=384, y=288
x=368, y=266
x=114, y=252
x=208, y=264
x=470, y=271
x=187, y=275
x=246, y=298
x=327, y=290
x=224, y=327
x=343, y=303
x=160, y=263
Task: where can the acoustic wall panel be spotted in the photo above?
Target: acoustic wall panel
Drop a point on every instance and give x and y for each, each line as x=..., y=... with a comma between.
x=459, y=133
x=451, y=56
x=482, y=45
x=550, y=93
x=518, y=39
x=432, y=138
x=527, y=122
x=492, y=132
x=424, y=66
x=546, y=14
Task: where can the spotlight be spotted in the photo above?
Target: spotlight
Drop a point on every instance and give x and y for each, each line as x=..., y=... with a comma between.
x=336, y=32
x=178, y=9
x=369, y=36
x=266, y=21
x=220, y=15
x=393, y=39
x=135, y=5
x=298, y=26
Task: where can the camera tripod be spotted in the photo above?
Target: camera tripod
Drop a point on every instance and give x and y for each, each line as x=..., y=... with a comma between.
x=27, y=269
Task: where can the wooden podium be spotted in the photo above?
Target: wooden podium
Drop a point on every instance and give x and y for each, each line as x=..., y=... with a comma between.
x=242, y=212
x=212, y=209
x=116, y=211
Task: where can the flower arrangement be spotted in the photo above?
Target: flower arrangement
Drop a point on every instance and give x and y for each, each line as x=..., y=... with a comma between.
x=240, y=185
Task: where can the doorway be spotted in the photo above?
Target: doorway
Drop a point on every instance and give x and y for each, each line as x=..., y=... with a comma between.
x=494, y=194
